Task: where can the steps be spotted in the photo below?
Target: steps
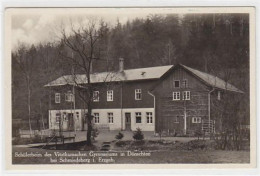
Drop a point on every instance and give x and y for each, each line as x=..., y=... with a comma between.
x=208, y=126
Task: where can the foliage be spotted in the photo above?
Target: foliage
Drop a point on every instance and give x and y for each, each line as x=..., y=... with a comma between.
x=122, y=143
x=94, y=133
x=138, y=134
x=119, y=136
x=198, y=133
x=232, y=140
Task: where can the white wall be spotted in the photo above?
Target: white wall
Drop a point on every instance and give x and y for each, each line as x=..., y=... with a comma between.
x=54, y=125
x=118, y=114
x=103, y=118
x=144, y=126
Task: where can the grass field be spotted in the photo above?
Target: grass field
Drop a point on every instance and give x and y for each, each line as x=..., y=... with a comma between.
x=173, y=156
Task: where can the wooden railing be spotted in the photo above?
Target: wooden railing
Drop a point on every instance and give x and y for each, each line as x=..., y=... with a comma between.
x=208, y=126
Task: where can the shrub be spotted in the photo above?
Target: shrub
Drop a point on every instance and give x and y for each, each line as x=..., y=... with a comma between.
x=119, y=136
x=138, y=134
x=94, y=133
x=198, y=133
x=122, y=143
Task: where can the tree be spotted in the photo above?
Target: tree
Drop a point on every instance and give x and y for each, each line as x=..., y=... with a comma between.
x=138, y=134
x=80, y=47
x=25, y=58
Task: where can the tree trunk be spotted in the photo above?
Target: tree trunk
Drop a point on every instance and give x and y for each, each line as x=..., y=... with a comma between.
x=29, y=105
x=89, y=131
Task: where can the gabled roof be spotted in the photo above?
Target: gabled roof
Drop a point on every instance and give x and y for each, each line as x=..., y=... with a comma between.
x=213, y=81
x=142, y=74
x=207, y=79
x=126, y=75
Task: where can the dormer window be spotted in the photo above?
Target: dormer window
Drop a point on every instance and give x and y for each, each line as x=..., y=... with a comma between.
x=176, y=84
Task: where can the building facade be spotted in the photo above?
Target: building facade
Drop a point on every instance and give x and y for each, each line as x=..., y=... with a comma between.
x=175, y=99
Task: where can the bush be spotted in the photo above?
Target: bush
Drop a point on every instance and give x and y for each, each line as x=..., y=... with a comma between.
x=138, y=134
x=119, y=136
x=94, y=133
x=198, y=133
x=122, y=143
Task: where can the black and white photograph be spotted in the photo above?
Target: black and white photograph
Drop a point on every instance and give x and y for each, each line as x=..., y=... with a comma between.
x=115, y=86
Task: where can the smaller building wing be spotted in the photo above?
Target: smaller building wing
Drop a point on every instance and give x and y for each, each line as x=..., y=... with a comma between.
x=213, y=81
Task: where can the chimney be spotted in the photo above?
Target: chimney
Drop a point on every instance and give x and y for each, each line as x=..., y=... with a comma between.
x=121, y=64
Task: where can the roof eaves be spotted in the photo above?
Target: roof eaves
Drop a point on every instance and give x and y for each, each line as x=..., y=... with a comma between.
x=232, y=90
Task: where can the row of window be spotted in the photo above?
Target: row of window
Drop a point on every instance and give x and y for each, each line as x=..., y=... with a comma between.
x=177, y=95
x=138, y=117
x=138, y=95
x=64, y=117
x=110, y=116
x=193, y=120
x=68, y=97
x=110, y=96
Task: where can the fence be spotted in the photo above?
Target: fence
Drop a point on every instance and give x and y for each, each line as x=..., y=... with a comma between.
x=26, y=133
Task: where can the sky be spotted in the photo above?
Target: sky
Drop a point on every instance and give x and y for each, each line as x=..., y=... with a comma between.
x=34, y=27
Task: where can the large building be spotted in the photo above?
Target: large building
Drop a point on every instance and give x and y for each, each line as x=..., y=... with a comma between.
x=173, y=99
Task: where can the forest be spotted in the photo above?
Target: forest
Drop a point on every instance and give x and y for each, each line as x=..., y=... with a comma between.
x=214, y=43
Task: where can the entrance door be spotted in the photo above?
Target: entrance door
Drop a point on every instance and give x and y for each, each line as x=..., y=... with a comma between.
x=70, y=122
x=127, y=121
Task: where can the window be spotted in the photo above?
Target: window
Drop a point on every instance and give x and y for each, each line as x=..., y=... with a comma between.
x=69, y=96
x=96, y=117
x=58, y=117
x=138, y=117
x=219, y=95
x=149, y=117
x=138, y=94
x=176, y=84
x=57, y=97
x=96, y=96
x=65, y=118
x=176, y=119
x=110, y=95
x=176, y=96
x=110, y=117
x=186, y=95
x=196, y=119
x=185, y=83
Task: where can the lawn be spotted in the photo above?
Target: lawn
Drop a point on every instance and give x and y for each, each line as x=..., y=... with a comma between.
x=158, y=156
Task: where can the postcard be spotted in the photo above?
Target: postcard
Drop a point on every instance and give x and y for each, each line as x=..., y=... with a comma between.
x=91, y=88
